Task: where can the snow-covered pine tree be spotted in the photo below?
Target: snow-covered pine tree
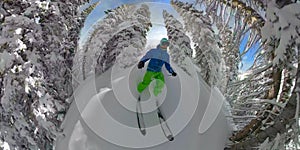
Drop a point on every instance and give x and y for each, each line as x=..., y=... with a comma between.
x=247, y=18
x=131, y=49
x=123, y=31
x=273, y=75
x=113, y=28
x=102, y=32
x=227, y=40
x=230, y=54
x=180, y=49
x=90, y=8
x=37, y=42
x=208, y=54
x=234, y=20
x=262, y=81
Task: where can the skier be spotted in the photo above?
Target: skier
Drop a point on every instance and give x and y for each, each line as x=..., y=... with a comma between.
x=158, y=57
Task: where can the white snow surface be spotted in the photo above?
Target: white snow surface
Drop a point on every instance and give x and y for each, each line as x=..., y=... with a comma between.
x=102, y=115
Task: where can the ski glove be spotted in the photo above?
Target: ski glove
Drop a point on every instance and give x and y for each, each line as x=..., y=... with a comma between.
x=174, y=74
x=141, y=64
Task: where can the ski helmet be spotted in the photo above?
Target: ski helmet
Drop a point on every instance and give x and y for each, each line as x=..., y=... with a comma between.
x=164, y=41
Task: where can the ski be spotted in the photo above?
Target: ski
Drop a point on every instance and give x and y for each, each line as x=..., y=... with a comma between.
x=164, y=126
x=140, y=118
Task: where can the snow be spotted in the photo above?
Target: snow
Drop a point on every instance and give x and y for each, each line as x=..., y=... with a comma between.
x=6, y=60
x=212, y=110
x=244, y=75
x=22, y=46
x=78, y=137
x=4, y=145
x=43, y=4
x=283, y=25
x=18, y=31
x=297, y=115
x=275, y=144
x=102, y=112
x=264, y=144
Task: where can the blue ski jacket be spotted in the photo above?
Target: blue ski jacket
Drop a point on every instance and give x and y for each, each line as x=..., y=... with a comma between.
x=158, y=58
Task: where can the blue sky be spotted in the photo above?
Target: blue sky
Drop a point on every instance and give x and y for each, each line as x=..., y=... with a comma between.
x=248, y=59
x=158, y=30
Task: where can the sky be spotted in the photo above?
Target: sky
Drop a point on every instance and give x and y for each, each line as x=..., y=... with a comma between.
x=158, y=30
x=248, y=59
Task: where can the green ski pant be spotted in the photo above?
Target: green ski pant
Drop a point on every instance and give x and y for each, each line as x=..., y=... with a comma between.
x=149, y=75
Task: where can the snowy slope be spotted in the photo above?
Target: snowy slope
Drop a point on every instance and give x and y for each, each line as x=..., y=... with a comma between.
x=102, y=116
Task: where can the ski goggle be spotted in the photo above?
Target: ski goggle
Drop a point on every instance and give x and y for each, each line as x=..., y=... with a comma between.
x=165, y=43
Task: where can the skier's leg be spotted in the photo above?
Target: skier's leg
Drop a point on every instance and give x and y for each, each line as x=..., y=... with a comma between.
x=160, y=82
x=146, y=81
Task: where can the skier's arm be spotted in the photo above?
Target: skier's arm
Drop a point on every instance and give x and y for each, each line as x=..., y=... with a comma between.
x=147, y=56
x=169, y=68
